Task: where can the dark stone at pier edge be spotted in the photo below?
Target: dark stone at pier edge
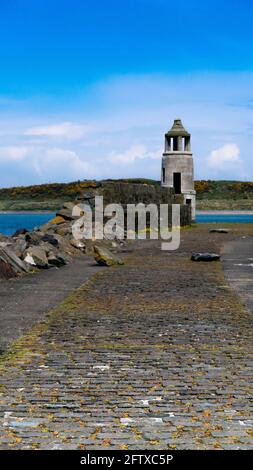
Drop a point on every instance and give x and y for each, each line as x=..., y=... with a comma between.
x=205, y=257
x=219, y=230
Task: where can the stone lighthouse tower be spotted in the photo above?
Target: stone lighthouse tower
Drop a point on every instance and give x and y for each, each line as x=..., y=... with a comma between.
x=177, y=163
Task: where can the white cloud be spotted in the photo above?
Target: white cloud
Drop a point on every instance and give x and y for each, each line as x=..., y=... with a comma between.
x=66, y=130
x=56, y=162
x=113, y=129
x=224, y=156
x=13, y=153
x=132, y=154
x=44, y=164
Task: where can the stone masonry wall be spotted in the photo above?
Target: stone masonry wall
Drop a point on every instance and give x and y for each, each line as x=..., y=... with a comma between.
x=132, y=193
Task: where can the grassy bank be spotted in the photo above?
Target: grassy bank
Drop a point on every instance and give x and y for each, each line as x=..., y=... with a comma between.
x=225, y=204
x=41, y=197
x=50, y=196
x=27, y=205
x=222, y=195
x=211, y=195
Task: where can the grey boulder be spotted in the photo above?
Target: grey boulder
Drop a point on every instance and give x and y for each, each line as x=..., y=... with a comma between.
x=63, y=258
x=66, y=214
x=20, y=231
x=6, y=271
x=20, y=246
x=12, y=259
x=104, y=257
x=205, y=257
x=69, y=205
x=56, y=260
x=33, y=238
x=219, y=230
x=79, y=244
x=50, y=238
x=36, y=256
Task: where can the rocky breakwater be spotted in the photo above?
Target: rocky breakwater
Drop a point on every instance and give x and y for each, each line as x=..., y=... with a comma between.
x=51, y=245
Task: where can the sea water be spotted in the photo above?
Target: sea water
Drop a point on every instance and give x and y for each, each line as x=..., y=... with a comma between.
x=225, y=218
x=10, y=222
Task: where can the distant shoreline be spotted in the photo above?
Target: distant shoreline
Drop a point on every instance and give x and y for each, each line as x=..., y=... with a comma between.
x=224, y=212
x=27, y=212
x=198, y=212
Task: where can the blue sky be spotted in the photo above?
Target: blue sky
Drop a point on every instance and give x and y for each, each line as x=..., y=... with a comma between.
x=87, y=89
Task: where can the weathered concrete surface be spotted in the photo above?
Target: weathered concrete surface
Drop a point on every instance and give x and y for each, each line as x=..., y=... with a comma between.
x=238, y=267
x=24, y=301
x=155, y=354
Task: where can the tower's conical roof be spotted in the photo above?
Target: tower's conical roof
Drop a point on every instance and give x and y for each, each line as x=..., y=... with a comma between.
x=177, y=129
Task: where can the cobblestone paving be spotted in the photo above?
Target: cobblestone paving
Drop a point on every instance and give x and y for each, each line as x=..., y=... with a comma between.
x=155, y=354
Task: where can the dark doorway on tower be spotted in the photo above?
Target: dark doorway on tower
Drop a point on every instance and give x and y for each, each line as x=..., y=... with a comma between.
x=188, y=202
x=177, y=182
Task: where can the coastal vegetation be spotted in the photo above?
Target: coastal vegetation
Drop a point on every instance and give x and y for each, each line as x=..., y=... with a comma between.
x=222, y=195
x=210, y=194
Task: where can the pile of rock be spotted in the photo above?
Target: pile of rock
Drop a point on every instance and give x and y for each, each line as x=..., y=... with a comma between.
x=50, y=245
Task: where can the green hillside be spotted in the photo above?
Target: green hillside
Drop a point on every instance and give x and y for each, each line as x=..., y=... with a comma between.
x=50, y=196
x=224, y=195
x=210, y=194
